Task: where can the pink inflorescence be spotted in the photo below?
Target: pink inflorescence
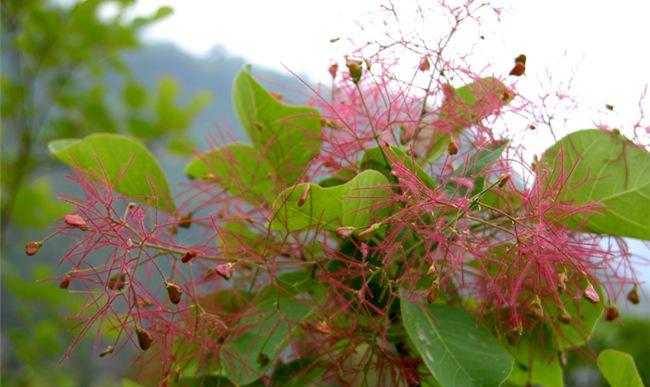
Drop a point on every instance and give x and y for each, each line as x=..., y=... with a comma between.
x=461, y=231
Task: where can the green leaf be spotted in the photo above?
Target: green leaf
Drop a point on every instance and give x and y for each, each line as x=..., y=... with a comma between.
x=374, y=159
x=536, y=363
x=585, y=316
x=461, y=108
x=127, y=164
x=354, y=204
x=288, y=136
x=619, y=369
x=269, y=328
x=603, y=167
x=290, y=284
x=481, y=159
x=456, y=350
x=297, y=373
x=239, y=169
x=473, y=102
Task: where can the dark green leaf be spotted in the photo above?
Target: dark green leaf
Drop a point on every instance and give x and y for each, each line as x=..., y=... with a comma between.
x=268, y=330
x=456, y=350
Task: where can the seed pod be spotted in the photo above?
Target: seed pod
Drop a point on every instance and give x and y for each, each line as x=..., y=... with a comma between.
x=107, y=351
x=518, y=69
x=367, y=233
x=32, y=247
x=565, y=317
x=432, y=270
x=503, y=180
x=117, y=281
x=452, y=148
x=424, y=64
x=344, y=232
x=535, y=308
x=432, y=295
x=562, y=280
x=224, y=270
x=333, y=69
x=323, y=327
x=76, y=221
x=612, y=313
x=590, y=294
x=65, y=282
x=185, y=221
x=304, y=195
x=355, y=69
x=174, y=292
x=521, y=58
x=189, y=254
x=144, y=338
x=633, y=295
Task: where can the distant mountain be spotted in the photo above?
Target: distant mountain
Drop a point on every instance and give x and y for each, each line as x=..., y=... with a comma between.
x=214, y=73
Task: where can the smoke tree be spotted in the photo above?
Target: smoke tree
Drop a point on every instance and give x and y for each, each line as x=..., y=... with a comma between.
x=387, y=233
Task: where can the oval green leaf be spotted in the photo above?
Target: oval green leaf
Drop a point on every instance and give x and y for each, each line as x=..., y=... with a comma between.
x=619, y=369
x=288, y=136
x=128, y=165
x=267, y=332
x=603, y=167
x=462, y=108
x=239, y=169
x=354, y=204
x=456, y=350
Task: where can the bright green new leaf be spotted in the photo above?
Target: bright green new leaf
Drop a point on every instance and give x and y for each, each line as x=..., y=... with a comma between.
x=462, y=108
x=239, y=169
x=373, y=158
x=456, y=350
x=356, y=204
x=619, y=369
x=124, y=162
x=606, y=168
x=269, y=328
x=288, y=136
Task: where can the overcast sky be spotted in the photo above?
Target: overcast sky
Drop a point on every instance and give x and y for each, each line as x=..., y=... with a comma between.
x=605, y=41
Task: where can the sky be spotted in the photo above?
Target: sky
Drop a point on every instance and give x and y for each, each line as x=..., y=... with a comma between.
x=600, y=44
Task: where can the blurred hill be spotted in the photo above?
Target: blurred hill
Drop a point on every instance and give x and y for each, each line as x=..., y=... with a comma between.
x=214, y=73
